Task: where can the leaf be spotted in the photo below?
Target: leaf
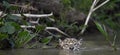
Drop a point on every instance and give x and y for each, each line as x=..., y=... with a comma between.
x=17, y=26
x=101, y=29
x=40, y=27
x=8, y=28
x=6, y=4
x=112, y=24
x=3, y=36
x=46, y=40
x=14, y=8
x=13, y=17
x=23, y=38
x=83, y=5
x=66, y=2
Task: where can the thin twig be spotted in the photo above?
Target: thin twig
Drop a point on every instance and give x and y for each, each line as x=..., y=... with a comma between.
x=96, y=2
x=50, y=33
x=100, y=5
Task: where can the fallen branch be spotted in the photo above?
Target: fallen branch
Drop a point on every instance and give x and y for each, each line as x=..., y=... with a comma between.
x=47, y=28
x=54, y=28
x=35, y=15
x=30, y=15
x=24, y=26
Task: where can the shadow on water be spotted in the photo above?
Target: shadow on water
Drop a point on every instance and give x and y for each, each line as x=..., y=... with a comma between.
x=91, y=46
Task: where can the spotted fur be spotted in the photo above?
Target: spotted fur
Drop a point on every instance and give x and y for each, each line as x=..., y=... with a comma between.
x=70, y=43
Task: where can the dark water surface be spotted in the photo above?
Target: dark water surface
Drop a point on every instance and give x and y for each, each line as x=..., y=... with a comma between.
x=96, y=51
x=92, y=45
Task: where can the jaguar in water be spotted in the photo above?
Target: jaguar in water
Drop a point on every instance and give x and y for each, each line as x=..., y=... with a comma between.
x=70, y=44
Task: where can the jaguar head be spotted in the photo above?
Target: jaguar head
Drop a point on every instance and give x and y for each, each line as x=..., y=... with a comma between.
x=70, y=43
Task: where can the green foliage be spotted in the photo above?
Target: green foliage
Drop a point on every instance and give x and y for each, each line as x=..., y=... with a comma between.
x=83, y=5
x=10, y=24
x=13, y=17
x=23, y=38
x=110, y=5
x=40, y=28
x=8, y=6
x=16, y=26
x=7, y=28
x=11, y=31
x=69, y=28
x=102, y=29
x=18, y=36
x=47, y=39
x=66, y=3
x=109, y=15
x=3, y=36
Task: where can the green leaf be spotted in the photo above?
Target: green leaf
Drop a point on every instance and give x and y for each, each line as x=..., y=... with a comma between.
x=112, y=24
x=13, y=17
x=40, y=28
x=23, y=38
x=17, y=26
x=6, y=4
x=83, y=5
x=14, y=8
x=66, y=3
x=3, y=36
x=47, y=39
x=7, y=28
x=101, y=29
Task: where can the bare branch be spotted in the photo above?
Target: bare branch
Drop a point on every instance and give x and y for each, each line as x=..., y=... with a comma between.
x=88, y=17
x=47, y=28
x=35, y=15
x=24, y=26
x=54, y=28
x=100, y=5
x=92, y=9
x=31, y=15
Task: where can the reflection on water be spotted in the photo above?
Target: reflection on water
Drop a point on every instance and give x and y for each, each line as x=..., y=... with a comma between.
x=69, y=52
x=58, y=52
x=92, y=46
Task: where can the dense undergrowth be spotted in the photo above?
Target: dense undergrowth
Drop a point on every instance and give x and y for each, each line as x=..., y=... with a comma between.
x=106, y=19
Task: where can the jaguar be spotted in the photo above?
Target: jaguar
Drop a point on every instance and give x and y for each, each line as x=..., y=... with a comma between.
x=70, y=44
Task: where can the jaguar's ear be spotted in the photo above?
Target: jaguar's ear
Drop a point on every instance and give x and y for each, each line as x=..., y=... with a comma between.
x=60, y=40
x=80, y=41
